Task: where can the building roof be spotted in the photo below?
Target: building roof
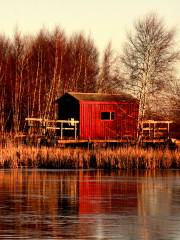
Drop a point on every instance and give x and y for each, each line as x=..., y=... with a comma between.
x=101, y=97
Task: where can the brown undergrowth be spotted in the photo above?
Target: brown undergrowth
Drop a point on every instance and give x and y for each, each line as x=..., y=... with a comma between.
x=18, y=156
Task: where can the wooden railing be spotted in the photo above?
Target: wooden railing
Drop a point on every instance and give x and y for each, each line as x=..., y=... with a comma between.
x=44, y=125
x=149, y=129
x=155, y=129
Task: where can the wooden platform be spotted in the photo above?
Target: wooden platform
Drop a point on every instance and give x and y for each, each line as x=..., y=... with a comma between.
x=42, y=141
x=45, y=131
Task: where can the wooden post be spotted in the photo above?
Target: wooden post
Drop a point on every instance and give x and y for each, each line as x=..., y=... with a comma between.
x=168, y=129
x=61, y=130
x=75, y=129
x=44, y=126
x=154, y=135
x=28, y=126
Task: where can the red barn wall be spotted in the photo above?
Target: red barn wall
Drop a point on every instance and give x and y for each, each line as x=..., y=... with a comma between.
x=92, y=127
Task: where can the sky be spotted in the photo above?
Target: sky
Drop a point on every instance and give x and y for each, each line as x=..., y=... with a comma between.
x=103, y=20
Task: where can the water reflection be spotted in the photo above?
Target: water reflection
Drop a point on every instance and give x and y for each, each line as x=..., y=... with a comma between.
x=89, y=205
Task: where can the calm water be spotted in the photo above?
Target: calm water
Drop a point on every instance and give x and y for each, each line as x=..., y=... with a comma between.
x=89, y=205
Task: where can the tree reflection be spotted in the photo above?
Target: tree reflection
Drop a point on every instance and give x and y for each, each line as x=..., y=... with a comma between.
x=72, y=204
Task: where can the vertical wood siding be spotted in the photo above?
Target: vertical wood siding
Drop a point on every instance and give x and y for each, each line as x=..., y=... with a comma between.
x=124, y=124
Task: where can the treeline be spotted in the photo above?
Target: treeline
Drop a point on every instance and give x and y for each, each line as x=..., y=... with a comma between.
x=36, y=70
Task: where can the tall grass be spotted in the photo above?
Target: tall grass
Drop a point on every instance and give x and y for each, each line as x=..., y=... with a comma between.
x=12, y=156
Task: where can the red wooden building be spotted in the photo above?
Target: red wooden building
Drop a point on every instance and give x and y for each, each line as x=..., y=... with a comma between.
x=100, y=116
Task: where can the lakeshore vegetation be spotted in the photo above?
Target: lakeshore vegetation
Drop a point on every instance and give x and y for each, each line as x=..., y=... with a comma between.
x=36, y=70
x=20, y=156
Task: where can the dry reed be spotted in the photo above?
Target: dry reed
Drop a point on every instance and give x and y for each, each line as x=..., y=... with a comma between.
x=12, y=156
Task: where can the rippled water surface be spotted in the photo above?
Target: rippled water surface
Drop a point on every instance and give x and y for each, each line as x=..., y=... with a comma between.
x=89, y=205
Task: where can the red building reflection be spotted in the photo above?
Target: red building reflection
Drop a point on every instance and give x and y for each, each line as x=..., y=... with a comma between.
x=100, y=195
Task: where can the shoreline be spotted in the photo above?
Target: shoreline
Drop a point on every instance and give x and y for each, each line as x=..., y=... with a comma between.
x=22, y=156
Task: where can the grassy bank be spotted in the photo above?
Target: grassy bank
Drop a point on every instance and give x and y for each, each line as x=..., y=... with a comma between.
x=120, y=158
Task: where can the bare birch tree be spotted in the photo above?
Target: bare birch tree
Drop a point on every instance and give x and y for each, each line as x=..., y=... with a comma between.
x=18, y=52
x=175, y=100
x=4, y=53
x=59, y=43
x=110, y=78
x=83, y=63
x=148, y=57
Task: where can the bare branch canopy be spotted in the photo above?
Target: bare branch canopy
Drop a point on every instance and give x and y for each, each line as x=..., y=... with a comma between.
x=148, y=56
